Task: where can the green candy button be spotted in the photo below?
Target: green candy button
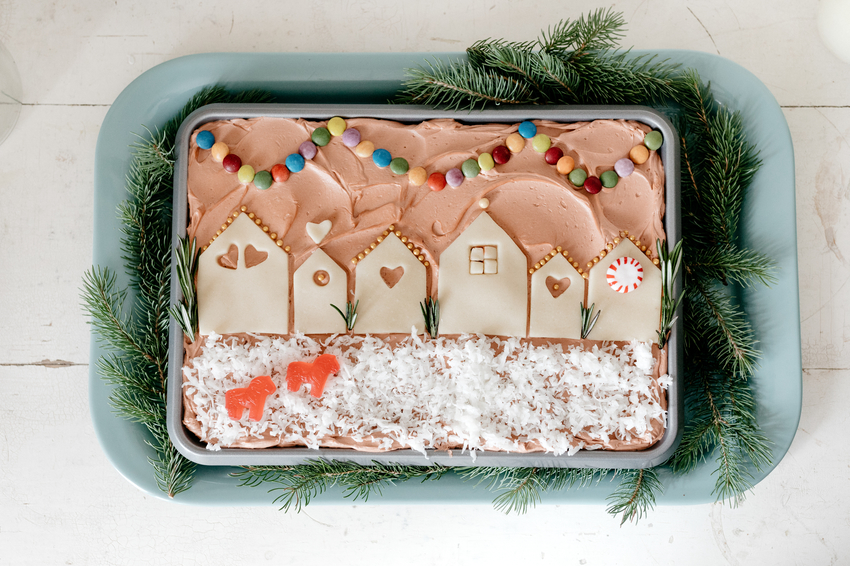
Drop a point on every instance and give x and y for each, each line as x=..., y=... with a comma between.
x=540, y=143
x=485, y=161
x=578, y=176
x=263, y=180
x=609, y=179
x=399, y=166
x=653, y=140
x=321, y=137
x=470, y=168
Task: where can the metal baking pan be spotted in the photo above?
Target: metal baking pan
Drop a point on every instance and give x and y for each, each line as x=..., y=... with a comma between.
x=193, y=449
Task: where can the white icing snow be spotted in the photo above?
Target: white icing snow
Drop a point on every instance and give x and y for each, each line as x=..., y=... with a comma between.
x=474, y=391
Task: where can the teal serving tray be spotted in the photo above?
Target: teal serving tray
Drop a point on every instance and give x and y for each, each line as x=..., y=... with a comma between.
x=768, y=224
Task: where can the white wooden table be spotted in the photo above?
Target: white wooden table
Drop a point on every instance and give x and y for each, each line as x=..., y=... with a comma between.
x=61, y=502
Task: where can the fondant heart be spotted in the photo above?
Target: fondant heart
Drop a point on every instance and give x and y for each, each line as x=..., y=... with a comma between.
x=391, y=276
x=317, y=232
x=253, y=256
x=229, y=259
x=557, y=286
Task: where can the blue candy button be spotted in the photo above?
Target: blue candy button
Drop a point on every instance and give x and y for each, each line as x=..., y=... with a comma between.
x=382, y=158
x=294, y=162
x=527, y=130
x=205, y=139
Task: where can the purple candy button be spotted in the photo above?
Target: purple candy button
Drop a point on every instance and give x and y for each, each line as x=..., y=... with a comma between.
x=351, y=137
x=308, y=150
x=624, y=167
x=454, y=177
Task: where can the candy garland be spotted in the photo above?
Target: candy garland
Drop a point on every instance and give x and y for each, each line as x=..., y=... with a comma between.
x=514, y=143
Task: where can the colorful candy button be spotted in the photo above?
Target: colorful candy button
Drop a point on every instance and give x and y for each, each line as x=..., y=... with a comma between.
x=263, y=180
x=552, y=155
x=437, y=182
x=280, y=173
x=470, y=168
x=515, y=143
x=231, y=163
x=351, y=137
x=609, y=179
x=308, y=150
x=417, y=176
x=321, y=137
x=381, y=158
x=541, y=143
x=527, y=130
x=336, y=126
x=295, y=162
x=485, y=162
x=365, y=149
x=592, y=185
x=219, y=151
x=653, y=140
x=624, y=167
x=245, y=174
x=399, y=165
x=565, y=165
x=205, y=139
x=578, y=177
x=501, y=154
x=639, y=154
x=454, y=177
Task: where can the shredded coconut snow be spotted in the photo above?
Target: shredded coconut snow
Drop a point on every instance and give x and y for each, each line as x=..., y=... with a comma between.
x=473, y=392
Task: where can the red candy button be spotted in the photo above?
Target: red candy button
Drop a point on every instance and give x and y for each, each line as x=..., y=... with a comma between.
x=280, y=173
x=552, y=155
x=501, y=155
x=437, y=182
x=231, y=163
x=252, y=398
x=315, y=373
x=592, y=185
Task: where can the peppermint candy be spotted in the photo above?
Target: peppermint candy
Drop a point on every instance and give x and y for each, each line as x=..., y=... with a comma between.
x=625, y=274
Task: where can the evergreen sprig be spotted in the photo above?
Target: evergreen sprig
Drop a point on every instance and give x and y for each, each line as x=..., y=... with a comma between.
x=186, y=312
x=298, y=485
x=431, y=313
x=350, y=314
x=588, y=320
x=137, y=366
x=635, y=495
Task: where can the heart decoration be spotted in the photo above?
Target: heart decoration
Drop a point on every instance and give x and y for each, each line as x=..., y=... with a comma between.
x=557, y=286
x=229, y=259
x=391, y=276
x=254, y=257
x=317, y=232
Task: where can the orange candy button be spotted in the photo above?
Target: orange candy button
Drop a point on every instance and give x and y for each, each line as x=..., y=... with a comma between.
x=565, y=165
x=639, y=154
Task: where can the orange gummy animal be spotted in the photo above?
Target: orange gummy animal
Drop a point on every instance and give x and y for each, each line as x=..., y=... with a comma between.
x=315, y=373
x=252, y=398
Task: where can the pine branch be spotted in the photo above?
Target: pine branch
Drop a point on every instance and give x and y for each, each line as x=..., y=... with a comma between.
x=742, y=266
x=598, y=31
x=300, y=484
x=635, y=495
x=137, y=368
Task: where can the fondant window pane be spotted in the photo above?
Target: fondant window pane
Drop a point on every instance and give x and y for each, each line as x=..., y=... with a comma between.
x=483, y=260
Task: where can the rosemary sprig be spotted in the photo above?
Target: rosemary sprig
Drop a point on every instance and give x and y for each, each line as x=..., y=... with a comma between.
x=350, y=314
x=186, y=313
x=431, y=312
x=670, y=262
x=588, y=320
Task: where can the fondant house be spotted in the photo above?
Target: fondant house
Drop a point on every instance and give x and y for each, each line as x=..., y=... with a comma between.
x=317, y=284
x=389, y=285
x=243, y=282
x=635, y=315
x=483, y=285
x=557, y=292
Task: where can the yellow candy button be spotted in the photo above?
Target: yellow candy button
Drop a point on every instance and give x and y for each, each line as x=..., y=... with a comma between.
x=515, y=142
x=565, y=165
x=639, y=154
x=336, y=126
x=365, y=149
x=417, y=176
x=219, y=151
